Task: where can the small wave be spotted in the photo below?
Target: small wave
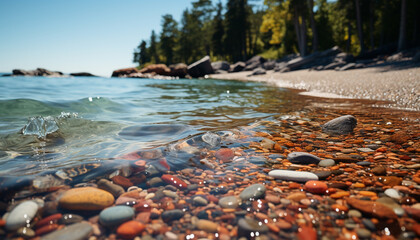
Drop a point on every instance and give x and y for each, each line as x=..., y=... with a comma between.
x=42, y=126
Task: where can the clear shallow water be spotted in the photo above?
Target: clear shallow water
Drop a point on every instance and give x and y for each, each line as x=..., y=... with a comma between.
x=99, y=119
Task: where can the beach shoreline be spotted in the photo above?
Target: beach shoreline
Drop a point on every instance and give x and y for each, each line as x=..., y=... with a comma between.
x=398, y=85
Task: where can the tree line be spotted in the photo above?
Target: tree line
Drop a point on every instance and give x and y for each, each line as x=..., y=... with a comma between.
x=241, y=29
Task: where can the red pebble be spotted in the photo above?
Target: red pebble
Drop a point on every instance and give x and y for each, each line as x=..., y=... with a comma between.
x=49, y=220
x=130, y=229
x=317, y=187
x=143, y=206
x=46, y=229
x=306, y=233
x=174, y=181
x=225, y=154
x=122, y=181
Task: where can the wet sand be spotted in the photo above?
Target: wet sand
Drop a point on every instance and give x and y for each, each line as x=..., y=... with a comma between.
x=400, y=85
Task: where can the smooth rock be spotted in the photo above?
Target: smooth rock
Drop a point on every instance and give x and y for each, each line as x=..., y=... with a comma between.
x=363, y=233
x=248, y=227
x=354, y=213
x=374, y=208
x=255, y=191
x=171, y=215
x=130, y=229
x=206, y=225
x=174, y=181
x=225, y=154
x=229, y=202
x=267, y=143
x=303, y=158
x=21, y=215
x=316, y=187
x=379, y=170
x=326, y=163
x=114, y=189
x=25, y=232
x=293, y=175
x=77, y=231
x=392, y=193
x=116, y=215
x=70, y=218
x=86, y=198
x=341, y=125
x=200, y=201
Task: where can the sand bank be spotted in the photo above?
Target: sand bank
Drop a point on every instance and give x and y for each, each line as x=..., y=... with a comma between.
x=400, y=85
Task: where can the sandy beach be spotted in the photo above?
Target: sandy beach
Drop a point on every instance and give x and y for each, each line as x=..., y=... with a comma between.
x=400, y=85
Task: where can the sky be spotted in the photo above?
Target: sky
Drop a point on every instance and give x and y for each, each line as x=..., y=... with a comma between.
x=96, y=36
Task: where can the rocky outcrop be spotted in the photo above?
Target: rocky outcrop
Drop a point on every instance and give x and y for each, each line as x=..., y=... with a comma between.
x=220, y=65
x=42, y=72
x=237, y=67
x=178, y=70
x=200, y=68
x=124, y=72
x=82, y=74
x=159, y=69
x=254, y=62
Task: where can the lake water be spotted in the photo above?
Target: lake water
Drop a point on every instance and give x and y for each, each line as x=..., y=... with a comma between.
x=48, y=124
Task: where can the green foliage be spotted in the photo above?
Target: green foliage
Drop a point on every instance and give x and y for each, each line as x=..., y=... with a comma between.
x=239, y=30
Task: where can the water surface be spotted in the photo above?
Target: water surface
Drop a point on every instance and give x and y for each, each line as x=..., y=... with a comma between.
x=87, y=120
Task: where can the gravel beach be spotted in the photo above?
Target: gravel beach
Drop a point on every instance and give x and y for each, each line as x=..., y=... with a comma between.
x=398, y=84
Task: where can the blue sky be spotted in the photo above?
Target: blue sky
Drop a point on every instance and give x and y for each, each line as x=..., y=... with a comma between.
x=96, y=36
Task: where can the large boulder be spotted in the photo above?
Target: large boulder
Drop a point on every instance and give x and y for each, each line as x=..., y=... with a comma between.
x=220, y=65
x=178, y=70
x=82, y=74
x=159, y=69
x=237, y=67
x=200, y=68
x=254, y=62
x=124, y=72
x=37, y=72
x=269, y=65
x=256, y=59
x=300, y=61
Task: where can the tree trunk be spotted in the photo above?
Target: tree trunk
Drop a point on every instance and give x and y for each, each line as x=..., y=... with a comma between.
x=372, y=19
x=349, y=36
x=359, y=27
x=303, y=34
x=402, y=38
x=313, y=26
x=297, y=29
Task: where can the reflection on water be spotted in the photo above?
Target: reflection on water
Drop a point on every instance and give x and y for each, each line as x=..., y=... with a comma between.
x=117, y=116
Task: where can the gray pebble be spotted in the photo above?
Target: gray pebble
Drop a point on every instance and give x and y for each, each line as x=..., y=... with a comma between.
x=303, y=158
x=200, y=201
x=229, y=202
x=326, y=163
x=363, y=233
x=341, y=125
x=255, y=191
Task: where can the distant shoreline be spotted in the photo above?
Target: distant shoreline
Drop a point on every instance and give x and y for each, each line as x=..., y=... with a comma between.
x=399, y=86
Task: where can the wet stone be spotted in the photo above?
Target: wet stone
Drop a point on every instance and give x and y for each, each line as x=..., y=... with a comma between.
x=257, y=160
x=206, y=225
x=354, y=213
x=369, y=224
x=116, y=215
x=249, y=227
x=114, y=189
x=156, y=182
x=341, y=125
x=364, y=163
x=267, y=143
x=200, y=201
x=322, y=174
x=77, y=231
x=392, y=193
x=171, y=215
x=70, y=218
x=229, y=202
x=225, y=154
x=25, y=232
x=303, y=158
x=365, y=150
x=326, y=163
x=86, y=198
x=21, y=215
x=255, y=191
x=363, y=233
x=293, y=175
x=379, y=170
x=316, y=187
x=130, y=229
